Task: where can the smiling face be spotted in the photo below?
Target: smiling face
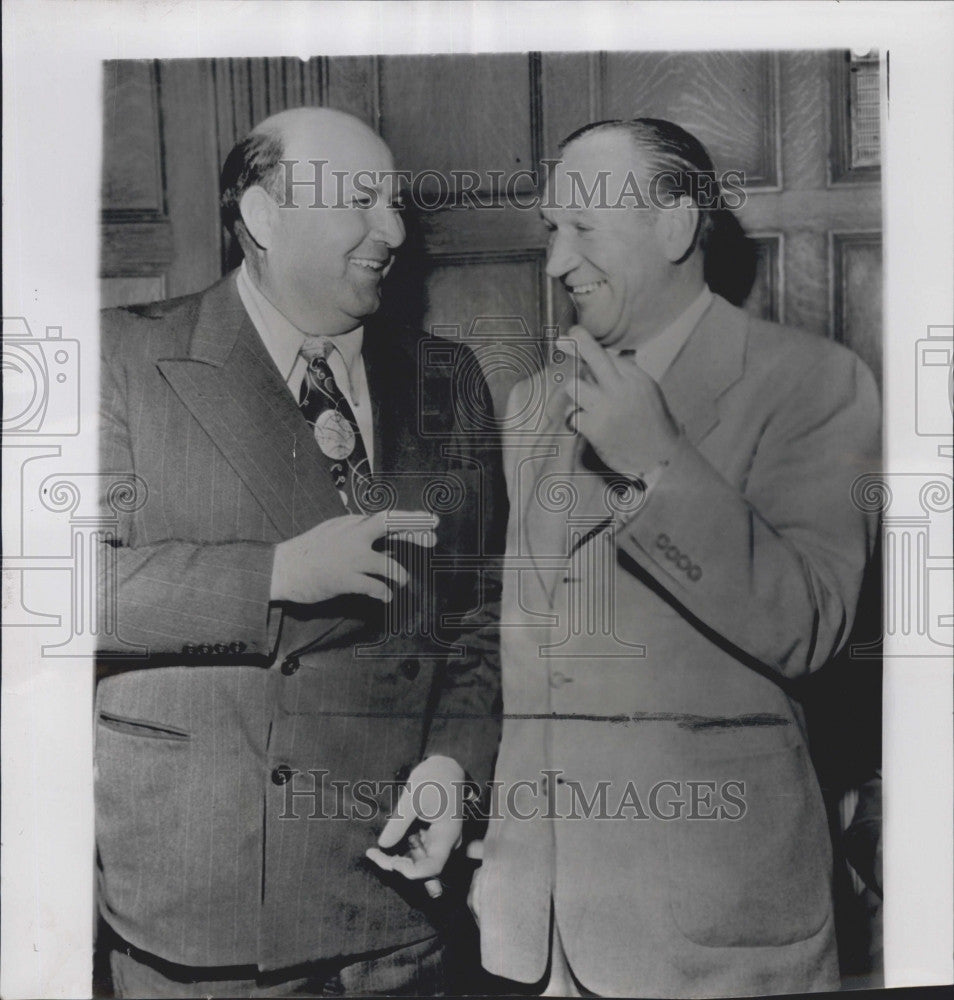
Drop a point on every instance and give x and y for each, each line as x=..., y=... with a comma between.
x=323, y=265
x=611, y=256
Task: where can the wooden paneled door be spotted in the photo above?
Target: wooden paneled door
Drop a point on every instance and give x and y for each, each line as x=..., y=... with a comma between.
x=798, y=124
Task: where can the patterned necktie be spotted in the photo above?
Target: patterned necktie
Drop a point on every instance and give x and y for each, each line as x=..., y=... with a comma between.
x=327, y=411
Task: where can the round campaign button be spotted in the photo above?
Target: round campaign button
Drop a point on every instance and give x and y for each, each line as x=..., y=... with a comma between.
x=334, y=434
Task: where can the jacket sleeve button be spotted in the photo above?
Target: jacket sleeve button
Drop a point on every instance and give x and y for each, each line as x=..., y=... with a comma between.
x=188, y=649
x=282, y=774
x=290, y=665
x=662, y=541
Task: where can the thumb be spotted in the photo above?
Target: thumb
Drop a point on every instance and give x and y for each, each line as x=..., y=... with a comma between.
x=475, y=850
x=397, y=826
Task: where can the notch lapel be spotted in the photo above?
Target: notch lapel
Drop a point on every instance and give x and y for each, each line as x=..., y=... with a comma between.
x=233, y=389
x=711, y=360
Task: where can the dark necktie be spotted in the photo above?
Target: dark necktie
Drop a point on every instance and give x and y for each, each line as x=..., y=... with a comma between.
x=327, y=411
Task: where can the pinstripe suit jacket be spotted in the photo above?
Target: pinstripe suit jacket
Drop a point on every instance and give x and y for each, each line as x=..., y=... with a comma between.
x=204, y=857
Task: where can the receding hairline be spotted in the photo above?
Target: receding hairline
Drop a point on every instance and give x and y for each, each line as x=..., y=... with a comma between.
x=294, y=124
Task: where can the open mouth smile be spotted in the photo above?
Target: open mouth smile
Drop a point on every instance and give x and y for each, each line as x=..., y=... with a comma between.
x=581, y=291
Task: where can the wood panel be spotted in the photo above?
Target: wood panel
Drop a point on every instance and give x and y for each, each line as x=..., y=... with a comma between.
x=456, y=113
x=857, y=291
x=132, y=158
x=803, y=98
x=494, y=307
x=728, y=100
x=571, y=83
x=806, y=280
x=192, y=174
x=124, y=291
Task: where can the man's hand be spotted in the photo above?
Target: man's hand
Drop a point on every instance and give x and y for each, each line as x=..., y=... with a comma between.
x=620, y=410
x=475, y=851
x=432, y=796
x=336, y=557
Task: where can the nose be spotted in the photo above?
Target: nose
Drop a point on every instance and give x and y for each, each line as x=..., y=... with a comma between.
x=562, y=256
x=388, y=225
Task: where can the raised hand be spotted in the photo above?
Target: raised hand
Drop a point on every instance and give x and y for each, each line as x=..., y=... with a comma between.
x=620, y=410
x=337, y=557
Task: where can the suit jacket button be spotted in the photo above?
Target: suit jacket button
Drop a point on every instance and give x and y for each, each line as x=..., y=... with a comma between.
x=410, y=669
x=290, y=665
x=220, y=647
x=282, y=774
x=188, y=649
x=205, y=649
x=662, y=541
x=236, y=647
x=694, y=573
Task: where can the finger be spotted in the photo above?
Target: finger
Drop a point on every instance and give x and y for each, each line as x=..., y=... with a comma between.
x=382, y=860
x=390, y=569
x=397, y=826
x=360, y=583
x=475, y=850
x=442, y=837
x=426, y=539
x=600, y=363
x=389, y=522
x=433, y=886
x=415, y=868
x=588, y=397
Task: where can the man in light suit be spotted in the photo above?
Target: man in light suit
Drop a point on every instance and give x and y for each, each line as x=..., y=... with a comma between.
x=683, y=550
x=284, y=580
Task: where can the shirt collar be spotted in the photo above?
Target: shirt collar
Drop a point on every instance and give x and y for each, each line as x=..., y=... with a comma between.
x=657, y=355
x=281, y=337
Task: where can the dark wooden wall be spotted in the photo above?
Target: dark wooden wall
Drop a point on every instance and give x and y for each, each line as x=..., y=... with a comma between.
x=782, y=118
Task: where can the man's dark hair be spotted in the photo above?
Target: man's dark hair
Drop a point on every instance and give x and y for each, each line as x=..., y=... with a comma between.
x=253, y=161
x=677, y=159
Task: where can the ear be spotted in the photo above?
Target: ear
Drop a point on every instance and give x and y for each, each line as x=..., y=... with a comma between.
x=676, y=228
x=260, y=215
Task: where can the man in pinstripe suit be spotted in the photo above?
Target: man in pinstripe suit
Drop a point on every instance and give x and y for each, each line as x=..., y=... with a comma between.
x=254, y=662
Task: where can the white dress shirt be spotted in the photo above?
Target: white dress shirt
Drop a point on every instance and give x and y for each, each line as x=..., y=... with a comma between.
x=656, y=356
x=283, y=340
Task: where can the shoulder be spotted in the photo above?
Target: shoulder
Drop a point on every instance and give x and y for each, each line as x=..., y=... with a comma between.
x=155, y=329
x=788, y=360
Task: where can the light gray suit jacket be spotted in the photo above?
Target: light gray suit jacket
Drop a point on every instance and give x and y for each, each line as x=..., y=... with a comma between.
x=669, y=651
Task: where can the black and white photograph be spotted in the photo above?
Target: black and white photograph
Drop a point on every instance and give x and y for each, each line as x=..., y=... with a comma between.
x=483, y=527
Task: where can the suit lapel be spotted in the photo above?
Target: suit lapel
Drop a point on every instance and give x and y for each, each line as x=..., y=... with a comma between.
x=233, y=389
x=711, y=360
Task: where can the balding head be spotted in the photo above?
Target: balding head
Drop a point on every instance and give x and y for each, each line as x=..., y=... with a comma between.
x=308, y=194
x=256, y=160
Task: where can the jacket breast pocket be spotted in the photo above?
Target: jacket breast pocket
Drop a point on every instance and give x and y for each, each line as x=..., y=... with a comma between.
x=758, y=872
x=142, y=728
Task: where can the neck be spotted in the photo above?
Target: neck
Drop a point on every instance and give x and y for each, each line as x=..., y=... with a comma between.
x=676, y=301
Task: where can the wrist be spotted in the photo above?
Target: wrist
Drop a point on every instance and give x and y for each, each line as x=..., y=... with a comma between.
x=278, y=587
